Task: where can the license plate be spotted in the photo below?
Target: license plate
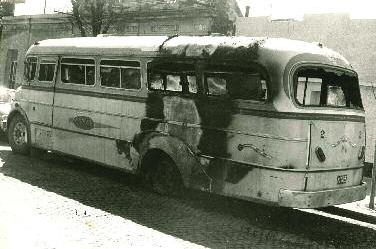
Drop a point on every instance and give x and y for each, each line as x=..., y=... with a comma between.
x=341, y=179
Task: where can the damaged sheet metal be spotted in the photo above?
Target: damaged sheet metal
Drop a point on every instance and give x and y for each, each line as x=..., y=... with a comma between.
x=212, y=47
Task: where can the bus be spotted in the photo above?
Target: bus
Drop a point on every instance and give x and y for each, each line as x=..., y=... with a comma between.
x=268, y=120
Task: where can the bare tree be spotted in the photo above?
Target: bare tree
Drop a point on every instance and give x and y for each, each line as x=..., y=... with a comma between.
x=6, y=9
x=93, y=17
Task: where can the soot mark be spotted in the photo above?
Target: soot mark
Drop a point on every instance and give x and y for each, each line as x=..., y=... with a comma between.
x=215, y=117
x=124, y=147
x=154, y=112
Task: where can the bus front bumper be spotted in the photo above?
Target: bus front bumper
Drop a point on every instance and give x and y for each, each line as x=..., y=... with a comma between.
x=304, y=199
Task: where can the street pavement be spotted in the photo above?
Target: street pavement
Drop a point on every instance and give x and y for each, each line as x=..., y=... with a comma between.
x=57, y=202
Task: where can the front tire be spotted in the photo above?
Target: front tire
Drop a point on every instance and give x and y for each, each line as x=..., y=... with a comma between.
x=19, y=135
x=164, y=177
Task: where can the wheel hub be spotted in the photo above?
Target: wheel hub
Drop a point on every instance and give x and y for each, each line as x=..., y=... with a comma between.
x=20, y=134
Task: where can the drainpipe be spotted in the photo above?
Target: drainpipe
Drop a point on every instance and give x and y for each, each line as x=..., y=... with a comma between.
x=29, y=33
x=373, y=187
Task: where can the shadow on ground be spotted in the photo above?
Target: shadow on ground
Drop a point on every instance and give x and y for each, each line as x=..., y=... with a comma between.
x=201, y=218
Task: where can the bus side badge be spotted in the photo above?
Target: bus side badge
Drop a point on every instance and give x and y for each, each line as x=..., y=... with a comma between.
x=82, y=122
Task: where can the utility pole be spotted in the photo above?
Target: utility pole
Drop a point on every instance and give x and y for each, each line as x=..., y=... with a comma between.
x=373, y=187
x=44, y=10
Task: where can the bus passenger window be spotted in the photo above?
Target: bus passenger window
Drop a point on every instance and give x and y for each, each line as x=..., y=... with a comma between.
x=238, y=85
x=173, y=83
x=46, y=71
x=156, y=82
x=327, y=87
x=78, y=71
x=130, y=78
x=120, y=74
x=30, y=68
x=110, y=77
x=216, y=85
x=173, y=78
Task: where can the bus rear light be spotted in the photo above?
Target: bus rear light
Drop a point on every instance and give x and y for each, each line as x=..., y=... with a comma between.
x=320, y=154
x=361, y=152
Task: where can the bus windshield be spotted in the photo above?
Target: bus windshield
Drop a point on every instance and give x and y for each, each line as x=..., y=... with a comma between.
x=327, y=88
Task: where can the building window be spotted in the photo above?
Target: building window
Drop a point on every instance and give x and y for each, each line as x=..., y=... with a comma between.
x=12, y=75
x=120, y=74
x=11, y=67
x=200, y=27
x=131, y=29
x=164, y=28
x=78, y=71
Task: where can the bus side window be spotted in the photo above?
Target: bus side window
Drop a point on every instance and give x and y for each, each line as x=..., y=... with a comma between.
x=156, y=81
x=173, y=78
x=241, y=85
x=120, y=74
x=30, y=68
x=216, y=84
x=46, y=71
x=78, y=71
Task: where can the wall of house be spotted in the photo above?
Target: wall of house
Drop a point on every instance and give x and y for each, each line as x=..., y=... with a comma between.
x=20, y=32
x=353, y=38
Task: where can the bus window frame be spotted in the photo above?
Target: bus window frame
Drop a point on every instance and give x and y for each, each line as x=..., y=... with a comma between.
x=79, y=57
x=140, y=68
x=256, y=67
x=196, y=73
x=293, y=79
x=26, y=67
x=46, y=58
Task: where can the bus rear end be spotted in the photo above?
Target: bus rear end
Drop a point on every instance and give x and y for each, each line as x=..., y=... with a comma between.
x=335, y=136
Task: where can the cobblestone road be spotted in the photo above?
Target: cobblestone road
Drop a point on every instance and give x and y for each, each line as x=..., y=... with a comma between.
x=61, y=203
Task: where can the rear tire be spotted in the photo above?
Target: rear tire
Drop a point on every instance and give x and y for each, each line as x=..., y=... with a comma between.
x=164, y=177
x=19, y=135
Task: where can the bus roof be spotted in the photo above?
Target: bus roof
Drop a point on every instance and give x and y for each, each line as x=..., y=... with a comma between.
x=224, y=47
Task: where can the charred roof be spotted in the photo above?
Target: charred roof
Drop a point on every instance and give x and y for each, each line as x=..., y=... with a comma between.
x=211, y=47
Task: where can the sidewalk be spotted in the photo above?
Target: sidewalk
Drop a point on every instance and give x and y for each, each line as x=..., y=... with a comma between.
x=358, y=210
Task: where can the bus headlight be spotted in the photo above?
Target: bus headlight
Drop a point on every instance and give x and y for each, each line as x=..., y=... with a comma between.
x=320, y=154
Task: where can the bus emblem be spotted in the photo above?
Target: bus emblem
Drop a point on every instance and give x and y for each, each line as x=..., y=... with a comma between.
x=83, y=122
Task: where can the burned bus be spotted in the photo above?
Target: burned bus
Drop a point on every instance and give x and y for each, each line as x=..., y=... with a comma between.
x=269, y=120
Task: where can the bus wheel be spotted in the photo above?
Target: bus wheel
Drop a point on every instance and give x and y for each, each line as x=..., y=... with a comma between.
x=165, y=178
x=19, y=135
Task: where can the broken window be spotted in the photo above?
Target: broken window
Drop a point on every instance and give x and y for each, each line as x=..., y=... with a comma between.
x=120, y=74
x=30, y=68
x=173, y=77
x=47, y=70
x=78, y=71
x=327, y=87
x=238, y=83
